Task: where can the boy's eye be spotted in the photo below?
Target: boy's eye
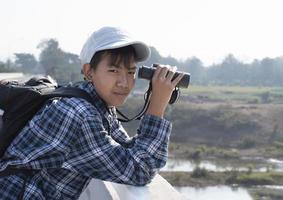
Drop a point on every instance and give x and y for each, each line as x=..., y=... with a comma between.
x=132, y=72
x=113, y=70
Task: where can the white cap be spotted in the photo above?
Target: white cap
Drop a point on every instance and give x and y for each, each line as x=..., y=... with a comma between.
x=112, y=38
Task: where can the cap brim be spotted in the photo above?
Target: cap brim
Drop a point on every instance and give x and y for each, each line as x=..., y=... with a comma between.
x=142, y=50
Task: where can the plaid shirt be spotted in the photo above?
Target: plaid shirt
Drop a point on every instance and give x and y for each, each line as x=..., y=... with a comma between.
x=71, y=141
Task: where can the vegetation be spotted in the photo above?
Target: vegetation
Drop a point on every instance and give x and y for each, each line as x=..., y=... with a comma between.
x=230, y=124
x=236, y=94
x=254, y=182
x=64, y=66
x=202, y=178
x=266, y=193
x=199, y=173
x=6, y=67
x=254, y=179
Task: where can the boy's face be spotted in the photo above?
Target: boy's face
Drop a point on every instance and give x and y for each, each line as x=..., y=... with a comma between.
x=113, y=82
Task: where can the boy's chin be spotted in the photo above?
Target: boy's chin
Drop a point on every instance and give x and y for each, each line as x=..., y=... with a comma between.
x=119, y=104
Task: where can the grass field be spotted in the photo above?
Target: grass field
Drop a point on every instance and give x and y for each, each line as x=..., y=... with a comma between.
x=236, y=93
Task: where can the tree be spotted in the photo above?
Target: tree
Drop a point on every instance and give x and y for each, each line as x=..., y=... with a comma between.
x=2, y=67
x=26, y=62
x=155, y=57
x=231, y=71
x=69, y=70
x=63, y=66
x=51, y=56
x=195, y=67
x=169, y=60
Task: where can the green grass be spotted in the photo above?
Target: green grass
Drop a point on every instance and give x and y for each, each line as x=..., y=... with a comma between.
x=255, y=179
x=202, y=177
x=265, y=193
x=237, y=93
x=232, y=89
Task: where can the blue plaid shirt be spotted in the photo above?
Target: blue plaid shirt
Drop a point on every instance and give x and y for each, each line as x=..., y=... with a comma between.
x=71, y=141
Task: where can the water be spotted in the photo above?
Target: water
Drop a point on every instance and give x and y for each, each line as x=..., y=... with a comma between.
x=276, y=187
x=188, y=166
x=222, y=192
x=259, y=164
x=214, y=192
x=277, y=163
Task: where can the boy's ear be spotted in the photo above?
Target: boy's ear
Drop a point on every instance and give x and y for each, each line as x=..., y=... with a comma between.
x=86, y=70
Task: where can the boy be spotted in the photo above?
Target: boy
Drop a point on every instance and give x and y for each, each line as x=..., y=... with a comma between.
x=69, y=141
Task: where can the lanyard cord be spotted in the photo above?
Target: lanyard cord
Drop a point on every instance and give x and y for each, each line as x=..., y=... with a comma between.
x=174, y=97
x=141, y=113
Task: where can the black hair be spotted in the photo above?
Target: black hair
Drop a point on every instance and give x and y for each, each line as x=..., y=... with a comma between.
x=117, y=56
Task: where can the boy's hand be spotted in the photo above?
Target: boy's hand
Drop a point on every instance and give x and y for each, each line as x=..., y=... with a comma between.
x=162, y=88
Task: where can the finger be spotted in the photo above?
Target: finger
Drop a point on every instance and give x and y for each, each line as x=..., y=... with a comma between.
x=157, y=72
x=171, y=72
x=170, y=75
x=177, y=79
x=163, y=73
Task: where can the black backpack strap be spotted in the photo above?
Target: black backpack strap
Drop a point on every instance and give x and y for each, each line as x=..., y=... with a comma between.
x=69, y=92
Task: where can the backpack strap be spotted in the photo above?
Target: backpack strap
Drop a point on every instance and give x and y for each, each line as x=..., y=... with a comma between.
x=69, y=92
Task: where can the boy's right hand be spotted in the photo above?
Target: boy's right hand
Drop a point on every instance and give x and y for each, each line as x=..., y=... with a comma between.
x=162, y=88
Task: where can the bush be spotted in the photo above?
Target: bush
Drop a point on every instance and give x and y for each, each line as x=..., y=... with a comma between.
x=266, y=97
x=247, y=142
x=198, y=153
x=233, y=174
x=199, y=173
x=254, y=179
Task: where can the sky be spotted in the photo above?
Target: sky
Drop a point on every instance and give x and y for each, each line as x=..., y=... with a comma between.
x=207, y=29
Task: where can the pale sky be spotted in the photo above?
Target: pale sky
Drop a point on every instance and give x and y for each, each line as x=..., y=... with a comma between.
x=207, y=29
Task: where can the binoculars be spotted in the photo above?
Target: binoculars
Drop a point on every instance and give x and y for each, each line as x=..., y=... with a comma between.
x=146, y=72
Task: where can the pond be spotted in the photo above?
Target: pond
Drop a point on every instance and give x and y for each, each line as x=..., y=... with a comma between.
x=214, y=192
x=223, y=192
x=258, y=164
x=229, y=193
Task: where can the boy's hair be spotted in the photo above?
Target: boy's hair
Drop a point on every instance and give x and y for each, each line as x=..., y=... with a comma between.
x=123, y=55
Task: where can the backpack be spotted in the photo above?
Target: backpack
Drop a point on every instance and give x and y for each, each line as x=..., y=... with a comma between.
x=21, y=101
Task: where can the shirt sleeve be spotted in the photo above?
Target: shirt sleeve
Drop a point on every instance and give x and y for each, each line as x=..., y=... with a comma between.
x=97, y=155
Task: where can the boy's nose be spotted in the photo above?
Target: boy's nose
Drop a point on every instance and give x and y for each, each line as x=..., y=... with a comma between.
x=123, y=81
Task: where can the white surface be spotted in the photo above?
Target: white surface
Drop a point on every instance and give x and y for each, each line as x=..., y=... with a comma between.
x=10, y=75
x=158, y=189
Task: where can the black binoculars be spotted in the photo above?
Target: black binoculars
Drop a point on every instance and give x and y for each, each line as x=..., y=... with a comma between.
x=145, y=72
